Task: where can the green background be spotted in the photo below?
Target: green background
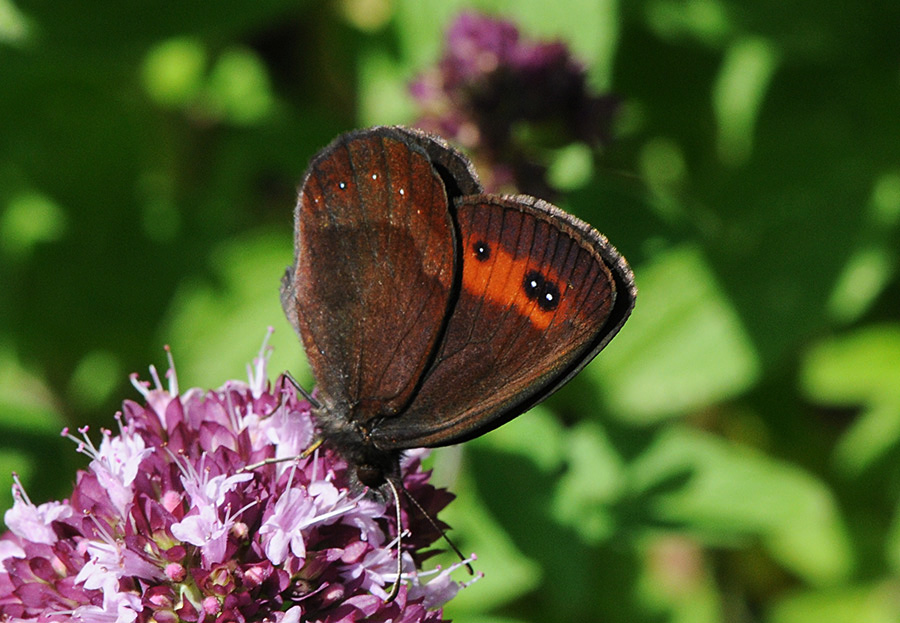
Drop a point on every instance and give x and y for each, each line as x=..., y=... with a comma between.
x=732, y=456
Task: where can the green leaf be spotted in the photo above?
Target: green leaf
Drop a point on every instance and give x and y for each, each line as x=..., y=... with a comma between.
x=876, y=603
x=741, y=88
x=28, y=220
x=730, y=492
x=383, y=89
x=30, y=424
x=854, y=369
x=508, y=573
x=594, y=480
x=173, y=71
x=683, y=348
x=215, y=329
x=859, y=369
x=239, y=88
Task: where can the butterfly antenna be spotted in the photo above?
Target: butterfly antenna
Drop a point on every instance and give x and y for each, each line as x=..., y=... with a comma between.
x=273, y=461
x=434, y=525
x=309, y=397
x=312, y=448
x=396, y=587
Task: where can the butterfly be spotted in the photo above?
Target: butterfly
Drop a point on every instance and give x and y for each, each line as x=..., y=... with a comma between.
x=430, y=311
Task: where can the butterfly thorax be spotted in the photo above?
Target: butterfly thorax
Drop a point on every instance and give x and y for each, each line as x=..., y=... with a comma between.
x=351, y=437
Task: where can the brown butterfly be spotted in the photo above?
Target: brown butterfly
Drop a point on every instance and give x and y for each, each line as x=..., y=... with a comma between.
x=430, y=311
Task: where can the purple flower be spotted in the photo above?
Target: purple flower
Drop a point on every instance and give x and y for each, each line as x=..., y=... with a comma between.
x=500, y=96
x=167, y=526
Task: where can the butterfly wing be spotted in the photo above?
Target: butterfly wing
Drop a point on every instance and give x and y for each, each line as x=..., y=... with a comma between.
x=541, y=294
x=373, y=271
x=455, y=169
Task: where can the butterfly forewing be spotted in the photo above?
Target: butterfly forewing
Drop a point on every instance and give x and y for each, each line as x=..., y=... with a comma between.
x=374, y=266
x=541, y=293
x=457, y=171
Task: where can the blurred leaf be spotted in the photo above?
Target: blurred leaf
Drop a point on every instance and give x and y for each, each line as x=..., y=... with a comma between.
x=383, y=93
x=173, y=71
x=28, y=220
x=508, y=574
x=571, y=167
x=854, y=604
x=875, y=260
x=683, y=348
x=25, y=402
x=664, y=171
x=733, y=492
x=239, y=89
x=861, y=369
x=874, y=432
x=94, y=380
x=368, y=15
x=738, y=94
x=215, y=330
x=520, y=471
x=706, y=20
x=15, y=28
x=854, y=369
x=30, y=424
x=420, y=27
x=865, y=275
x=594, y=479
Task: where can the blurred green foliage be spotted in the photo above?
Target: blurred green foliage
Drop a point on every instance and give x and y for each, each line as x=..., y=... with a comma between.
x=732, y=456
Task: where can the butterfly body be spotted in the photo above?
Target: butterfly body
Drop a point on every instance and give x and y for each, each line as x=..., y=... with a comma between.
x=430, y=311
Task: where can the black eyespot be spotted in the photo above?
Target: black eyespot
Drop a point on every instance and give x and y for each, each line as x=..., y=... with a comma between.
x=482, y=251
x=538, y=288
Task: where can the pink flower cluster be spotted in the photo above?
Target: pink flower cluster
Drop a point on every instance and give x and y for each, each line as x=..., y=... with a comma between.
x=167, y=524
x=492, y=83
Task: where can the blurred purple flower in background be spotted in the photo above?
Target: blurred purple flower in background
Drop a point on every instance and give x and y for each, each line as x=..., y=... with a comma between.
x=165, y=526
x=504, y=97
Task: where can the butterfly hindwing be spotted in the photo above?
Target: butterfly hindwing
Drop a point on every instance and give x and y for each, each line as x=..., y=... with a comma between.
x=540, y=294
